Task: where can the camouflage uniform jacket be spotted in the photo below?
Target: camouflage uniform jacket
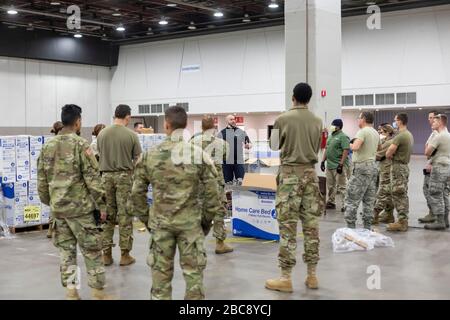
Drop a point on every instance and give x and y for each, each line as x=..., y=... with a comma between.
x=68, y=177
x=175, y=169
x=218, y=149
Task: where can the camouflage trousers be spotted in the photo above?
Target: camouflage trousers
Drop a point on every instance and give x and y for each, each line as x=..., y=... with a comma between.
x=219, y=230
x=336, y=184
x=298, y=197
x=163, y=244
x=437, y=189
x=69, y=232
x=399, y=187
x=384, y=194
x=118, y=187
x=426, y=190
x=361, y=188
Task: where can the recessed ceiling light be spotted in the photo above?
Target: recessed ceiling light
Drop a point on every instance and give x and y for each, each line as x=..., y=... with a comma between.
x=120, y=28
x=192, y=26
x=12, y=11
x=163, y=21
x=150, y=33
x=12, y=27
x=246, y=18
x=273, y=5
x=117, y=14
x=218, y=14
x=78, y=35
x=172, y=5
x=55, y=3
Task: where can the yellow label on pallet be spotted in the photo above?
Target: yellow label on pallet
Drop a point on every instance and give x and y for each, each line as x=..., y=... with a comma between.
x=32, y=214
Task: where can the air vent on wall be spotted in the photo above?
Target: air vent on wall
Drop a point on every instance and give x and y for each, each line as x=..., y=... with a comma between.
x=144, y=108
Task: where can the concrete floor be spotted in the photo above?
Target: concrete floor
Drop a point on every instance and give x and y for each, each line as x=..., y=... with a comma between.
x=417, y=268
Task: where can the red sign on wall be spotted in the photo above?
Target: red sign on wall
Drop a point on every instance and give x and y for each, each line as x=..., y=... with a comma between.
x=323, y=93
x=239, y=120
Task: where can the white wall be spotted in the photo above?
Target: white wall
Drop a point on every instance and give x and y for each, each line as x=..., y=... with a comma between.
x=239, y=72
x=244, y=71
x=411, y=53
x=33, y=92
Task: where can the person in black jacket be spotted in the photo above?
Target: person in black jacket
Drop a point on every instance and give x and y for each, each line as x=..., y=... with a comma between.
x=233, y=168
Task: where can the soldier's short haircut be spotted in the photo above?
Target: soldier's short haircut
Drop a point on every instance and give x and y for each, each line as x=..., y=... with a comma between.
x=136, y=124
x=367, y=116
x=177, y=117
x=207, y=123
x=70, y=113
x=443, y=118
x=122, y=111
x=434, y=112
x=303, y=93
x=403, y=117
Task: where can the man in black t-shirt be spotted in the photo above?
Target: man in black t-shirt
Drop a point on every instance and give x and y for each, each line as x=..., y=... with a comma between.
x=233, y=167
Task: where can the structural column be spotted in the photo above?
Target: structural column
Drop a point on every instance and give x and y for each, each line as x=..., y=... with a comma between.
x=313, y=53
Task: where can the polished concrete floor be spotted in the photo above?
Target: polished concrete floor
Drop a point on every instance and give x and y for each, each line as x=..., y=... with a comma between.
x=418, y=267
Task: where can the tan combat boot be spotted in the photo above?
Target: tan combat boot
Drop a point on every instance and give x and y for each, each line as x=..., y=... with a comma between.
x=400, y=225
x=311, y=280
x=49, y=232
x=429, y=218
x=283, y=283
x=107, y=257
x=386, y=217
x=72, y=294
x=99, y=294
x=222, y=247
x=439, y=224
x=126, y=259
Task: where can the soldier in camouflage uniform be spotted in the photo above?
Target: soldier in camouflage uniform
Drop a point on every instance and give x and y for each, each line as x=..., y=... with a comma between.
x=384, y=195
x=428, y=218
x=118, y=149
x=438, y=152
x=217, y=149
x=362, y=185
x=69, y=182
x=400, y=153
x=176, y=169
x=297, y=133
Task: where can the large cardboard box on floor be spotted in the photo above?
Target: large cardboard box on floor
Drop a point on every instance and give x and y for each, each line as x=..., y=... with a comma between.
x=254, y=213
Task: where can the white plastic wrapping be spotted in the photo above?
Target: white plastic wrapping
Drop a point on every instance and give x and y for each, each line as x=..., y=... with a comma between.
x=347, y=240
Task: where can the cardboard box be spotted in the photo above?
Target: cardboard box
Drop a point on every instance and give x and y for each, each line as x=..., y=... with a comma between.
x=33, y=195
x=36, y=144
x=8, y=159
x=45, y=214
x=254, y=213
x=22, y=158
x=263, y=165
x=15, y=197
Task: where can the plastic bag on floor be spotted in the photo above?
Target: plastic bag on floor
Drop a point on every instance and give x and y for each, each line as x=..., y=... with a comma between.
x=347, y=240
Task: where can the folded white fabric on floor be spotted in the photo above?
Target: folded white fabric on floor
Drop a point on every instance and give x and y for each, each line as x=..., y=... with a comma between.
x=347, y=240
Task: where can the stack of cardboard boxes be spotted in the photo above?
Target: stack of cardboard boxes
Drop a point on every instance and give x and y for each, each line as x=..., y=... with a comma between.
x=148, y=141
x=18, y=171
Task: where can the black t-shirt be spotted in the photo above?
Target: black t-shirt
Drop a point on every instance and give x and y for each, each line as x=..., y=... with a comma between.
x=236, y=138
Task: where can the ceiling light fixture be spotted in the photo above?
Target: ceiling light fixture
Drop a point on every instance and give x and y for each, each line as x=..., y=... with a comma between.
x=246, y=18
x=12, y=11
x=192, y=26
x=55, y=3
x=172, y=5
x=78, y=35
x=116, y=14
x=163, y=21
x=218, y=14
x=273, y=4
x=120, y=28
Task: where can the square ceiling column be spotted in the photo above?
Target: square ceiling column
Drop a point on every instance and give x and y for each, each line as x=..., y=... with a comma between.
x=313, y=53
